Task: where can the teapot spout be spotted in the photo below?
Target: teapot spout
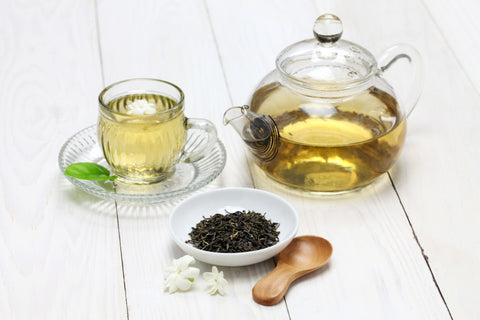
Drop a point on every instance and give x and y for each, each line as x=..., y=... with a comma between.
x=258, y=131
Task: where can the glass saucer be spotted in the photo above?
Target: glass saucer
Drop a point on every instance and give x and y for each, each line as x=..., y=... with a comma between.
x=188, y=177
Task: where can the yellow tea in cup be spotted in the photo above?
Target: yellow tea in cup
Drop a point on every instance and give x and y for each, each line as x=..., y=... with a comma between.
x=142, y=129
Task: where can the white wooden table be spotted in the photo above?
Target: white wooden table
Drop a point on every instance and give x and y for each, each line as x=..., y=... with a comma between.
x=407, y=247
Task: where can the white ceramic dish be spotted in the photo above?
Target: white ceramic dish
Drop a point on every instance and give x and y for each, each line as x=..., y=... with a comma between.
x=192, y=210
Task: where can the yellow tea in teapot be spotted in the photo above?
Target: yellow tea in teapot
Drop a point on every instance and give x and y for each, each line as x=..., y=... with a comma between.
x=331, y=147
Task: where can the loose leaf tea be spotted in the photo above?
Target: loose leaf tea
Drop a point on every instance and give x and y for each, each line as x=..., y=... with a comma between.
x=239, y=231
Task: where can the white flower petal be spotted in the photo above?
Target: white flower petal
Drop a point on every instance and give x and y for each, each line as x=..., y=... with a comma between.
x=222, y=282
x=212, y=290
x=221, y=291
x=183, y=284
x=136, y=112
x=169, y=270
x=149, y=111
x=215, y=281
x=183, y=262
x=171, y=288
x=171, y=283
x=180, y=276
x=170, y=277
x=211, y=275
x=208, y=276
x=190, y=272
x=141, y=107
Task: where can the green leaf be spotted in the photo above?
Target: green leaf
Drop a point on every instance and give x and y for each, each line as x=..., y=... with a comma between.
x=88, y=171
x=191, y=279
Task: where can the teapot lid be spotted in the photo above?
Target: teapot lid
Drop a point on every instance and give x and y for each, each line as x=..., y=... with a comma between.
x=326, y=63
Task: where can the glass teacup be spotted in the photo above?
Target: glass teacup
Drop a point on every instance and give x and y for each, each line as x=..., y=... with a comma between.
x=142, y=129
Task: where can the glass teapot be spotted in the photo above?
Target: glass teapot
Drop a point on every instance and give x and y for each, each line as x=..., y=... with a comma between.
x=326, y=120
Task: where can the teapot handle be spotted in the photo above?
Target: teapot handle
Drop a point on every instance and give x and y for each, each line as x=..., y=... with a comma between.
x=399, y=51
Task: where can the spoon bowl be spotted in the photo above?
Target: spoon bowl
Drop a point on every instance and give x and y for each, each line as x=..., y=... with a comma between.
x=303, y=255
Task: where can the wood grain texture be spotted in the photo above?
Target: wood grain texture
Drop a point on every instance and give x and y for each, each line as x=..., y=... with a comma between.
x=60, y=248
x=59, y=253
x=149, y=250
x=436, y=176
x=173, y=40
x=378, y=268
x=459, y=25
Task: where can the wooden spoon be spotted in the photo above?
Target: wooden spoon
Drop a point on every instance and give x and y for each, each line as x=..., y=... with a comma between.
x=303, y=255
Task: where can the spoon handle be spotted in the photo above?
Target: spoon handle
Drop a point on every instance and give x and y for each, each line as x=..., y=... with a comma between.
x=271, y=288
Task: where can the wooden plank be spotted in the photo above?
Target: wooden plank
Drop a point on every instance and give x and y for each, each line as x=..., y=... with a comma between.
x=459, y=25
x=437, y=173
x=377, y=270
x=148, y=250
x=174, y=41
x=59, y=250
x=157, y=40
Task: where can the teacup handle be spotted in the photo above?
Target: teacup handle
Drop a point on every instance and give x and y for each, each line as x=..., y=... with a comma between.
x=399, y=51
x=199, y=145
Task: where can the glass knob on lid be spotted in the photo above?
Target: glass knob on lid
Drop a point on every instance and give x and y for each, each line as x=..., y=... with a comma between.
x=328, y=28
x=326, y=66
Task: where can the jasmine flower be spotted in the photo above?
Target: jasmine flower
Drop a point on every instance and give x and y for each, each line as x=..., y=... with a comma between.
x=216, y=282
x=141, y=107
x=180, y=276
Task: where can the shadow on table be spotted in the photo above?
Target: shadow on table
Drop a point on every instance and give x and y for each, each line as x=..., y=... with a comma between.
x=95, y=205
